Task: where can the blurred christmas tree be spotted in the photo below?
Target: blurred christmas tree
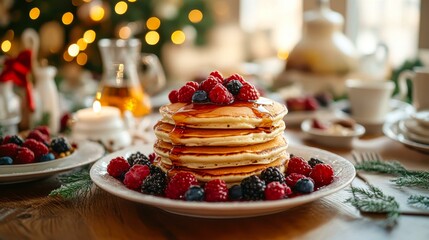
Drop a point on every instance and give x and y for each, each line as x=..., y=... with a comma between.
x=69, y=29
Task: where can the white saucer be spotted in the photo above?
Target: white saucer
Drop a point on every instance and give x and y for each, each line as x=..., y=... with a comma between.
x=393, y=131
x=344, y=174
x=86, y=153
x=422, y=117
x=412, y=134
x=415, y=127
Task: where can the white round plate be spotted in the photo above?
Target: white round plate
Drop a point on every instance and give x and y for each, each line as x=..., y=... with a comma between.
x=393, y=131
x=87, y=152
x=344, y=174
x=295, y=118
x=422, y=117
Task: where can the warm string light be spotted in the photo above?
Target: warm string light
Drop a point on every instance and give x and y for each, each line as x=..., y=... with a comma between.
x=124, y=32
x=178, y=37
x=73, y=50
x=153, y=23
x=96, y=13
x=282, y=54
x=67, y=18
x=89, y=36
x=34, y=13
x=6, y=45
x=82, y=58
x=152, y=37
x=121, y=7
x=195, y=16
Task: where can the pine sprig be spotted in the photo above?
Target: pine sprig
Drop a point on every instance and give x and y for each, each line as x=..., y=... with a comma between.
x=418, y=201
x=373, y=200
x=418, y=179
x=74, y=185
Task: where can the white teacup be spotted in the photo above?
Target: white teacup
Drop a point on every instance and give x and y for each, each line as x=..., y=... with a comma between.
x=369, y=100
x=420, y=79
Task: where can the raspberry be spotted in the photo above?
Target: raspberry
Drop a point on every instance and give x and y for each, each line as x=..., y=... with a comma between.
x=314, y=161
x=194, y=193
x=173, y=96
x=234, y=86
x=235, y=193
x=138, y=158
x=216, y=191
x=193, y=84
x=24, y=156
x=237, y=77
x=318, y=124
x=322, y=174
x=179, y=184
x=220, y=95
x=38, y=136
x=9, y=150
x=117, y=166
x=15, y=139
x=276, y=190
x=311, y=104
x=185, y=94
x=295, y=104
x=272, y=174
x=44, y=130
x=304, y=185
x=217, y=75
x=208, y=84
x=64, y=122
x=253, y=188
x=36, y=147
x=293, y=178
x=247, y=92
x=134, y=177
x=155, y=184
x=60, y=145
x=152, y=157
x=298, y=165
x=200, y=96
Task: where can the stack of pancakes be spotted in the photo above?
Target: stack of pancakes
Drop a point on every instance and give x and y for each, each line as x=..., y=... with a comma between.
x=228, y=142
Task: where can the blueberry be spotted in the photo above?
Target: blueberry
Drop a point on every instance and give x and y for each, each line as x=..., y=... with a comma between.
x=47, y=157
x=199, y=96
x=304, y=185
x=194, y=193
x=6, y=161
x=234, y=86
x=235, y=193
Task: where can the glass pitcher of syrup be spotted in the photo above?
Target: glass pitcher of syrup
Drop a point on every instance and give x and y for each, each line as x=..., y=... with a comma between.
x=120, y=86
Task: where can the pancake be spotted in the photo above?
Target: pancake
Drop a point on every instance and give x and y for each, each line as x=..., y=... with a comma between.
x=238, y=115
x=216, y=157
x=231, y=175
x=216, y=137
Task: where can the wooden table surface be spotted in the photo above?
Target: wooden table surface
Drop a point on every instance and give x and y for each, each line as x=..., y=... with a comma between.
x=26, y=212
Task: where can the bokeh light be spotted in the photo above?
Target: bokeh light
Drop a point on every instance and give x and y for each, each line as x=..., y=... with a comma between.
x=73, y=50
x=6, y=46
x=67, y=57
x=153, y=23
x=82, y=58
x=152, y=38
x=195, y=16
x=82, y=44
x=121, y=7
x=124, y=32
x=89, y=36
x=282, y=54
x=96, y=13
x=67, y=18
x=34, y=13
x=178, y=37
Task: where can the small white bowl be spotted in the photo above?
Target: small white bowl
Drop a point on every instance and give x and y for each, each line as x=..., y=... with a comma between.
x=324, y=137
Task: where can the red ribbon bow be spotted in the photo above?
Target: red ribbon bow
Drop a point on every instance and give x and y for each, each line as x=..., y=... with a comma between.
x=16, y=70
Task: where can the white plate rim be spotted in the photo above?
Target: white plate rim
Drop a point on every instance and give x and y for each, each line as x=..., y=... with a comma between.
x=87, y=153
x=359, y=130
x=391, y=130
x=100, y=177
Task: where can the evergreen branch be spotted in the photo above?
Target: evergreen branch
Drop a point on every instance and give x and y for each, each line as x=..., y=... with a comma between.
x=373, y=200
x=419, y=201
x=418, y=179
x=75, y=185
x=378, y=166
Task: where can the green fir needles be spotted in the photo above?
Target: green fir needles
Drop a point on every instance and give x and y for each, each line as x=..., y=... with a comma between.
x=74, y=185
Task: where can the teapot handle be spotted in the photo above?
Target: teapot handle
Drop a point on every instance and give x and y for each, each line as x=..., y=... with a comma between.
x=402, y=83
x=153, y=79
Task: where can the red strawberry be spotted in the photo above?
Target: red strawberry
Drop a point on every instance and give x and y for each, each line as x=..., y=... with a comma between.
x=237, y=77
x=39, y=149
x=247, y=92
x=117, y=167
x=185, y=94
x=179, y=184
x=24, y=156
x=9, y=150
x=173, y=96
x=322, y=174
x=208, y=84
x=293, y=178
x=298, y=165
x=277, y=190
x=216, y=191
x=217, y=75
x=38, y=136
x=134, y=177
x=193, y=84
x=220, y=95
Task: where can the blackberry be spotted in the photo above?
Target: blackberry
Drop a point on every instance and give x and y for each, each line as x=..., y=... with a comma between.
x=200, y=96
x=235, y=193
x=194, y=193
x=304, y=185
x=252, y=188
x=272, y=174
x=155, y=170
x=155, y=184
x=314, y=161
x=234, y=86
x=60, y=145
x=138, y=158
x=16, y=139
